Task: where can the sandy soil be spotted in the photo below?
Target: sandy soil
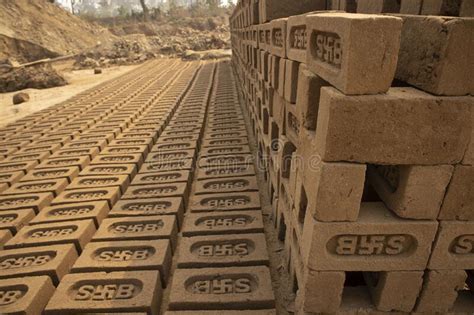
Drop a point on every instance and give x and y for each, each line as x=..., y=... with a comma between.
x=79, y=80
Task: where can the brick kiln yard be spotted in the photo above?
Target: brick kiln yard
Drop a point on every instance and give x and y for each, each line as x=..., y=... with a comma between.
x=327, y=168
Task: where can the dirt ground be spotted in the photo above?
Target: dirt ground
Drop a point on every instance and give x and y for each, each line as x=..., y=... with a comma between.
x=79, y=80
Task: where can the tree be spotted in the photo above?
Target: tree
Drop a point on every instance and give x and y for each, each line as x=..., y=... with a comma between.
x=146, y=12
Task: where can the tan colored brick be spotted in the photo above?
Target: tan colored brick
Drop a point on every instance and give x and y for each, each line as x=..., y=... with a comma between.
x=459, y=199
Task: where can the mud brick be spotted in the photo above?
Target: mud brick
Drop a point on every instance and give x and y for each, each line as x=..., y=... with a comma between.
x=135, y=158
x=212, y=151
x=224, y=161
x=141, y=149
x=330, y=191
x=270, y=10
x=228, y=312
x=95, y=210
x=171, y=156
x=15, y=220
x=448, y=73
x=394, y=290
x=79, y=161
x=138, y=228
x=221, y=185
x=11, y=177
x=138, y=135
x=296, y=38
x=35, y=201
x=91, y=152
x=291, y=80
x=281, y=77
x=85, y=144
x=411, y=7
x=459, y=199
x=405, y=189
x=17, y=167
x=126, y=256
x=225, y=202
x=54, y=261
x=157, y=191
x=439, y=290
x=7, y=151
x=3, y=187
x=223, y=251
x=174, y=146
x=5, y=236
x=129, y=292
x=339, y=41
x=158, y=206
x=162, y=177
x=221, y=172
x=167, y=166
x=97, y=181
x=225, y=142
x=237, y=127
x=17, y=144
x=126, y=145
x=222, y=288
x=292, y=124
x=172, y=140
x=307, y=98
x=109, y=194
x=377, y=241
x=447, y=120
x=44, y=174
x=454, y=246
x=54, y=186
x=33, y=148
x=226, y=134
x=442, y=7
x=78, y=233
x=223, y=223
x=40, y=156
x=113, y=169
x=26, y=295
x=105, y=136
x=278, y=35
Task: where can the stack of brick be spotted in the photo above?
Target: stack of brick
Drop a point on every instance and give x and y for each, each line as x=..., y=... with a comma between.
x=463, y=8
x=371, y=180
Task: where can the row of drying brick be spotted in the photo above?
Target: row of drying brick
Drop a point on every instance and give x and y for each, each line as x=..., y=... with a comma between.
x=94, y=203
x=252, y=12
x=279, y=127
x=223, y=226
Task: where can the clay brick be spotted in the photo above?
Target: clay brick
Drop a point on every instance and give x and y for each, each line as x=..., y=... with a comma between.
x=439, y=290
x=321, y=291
x=186, y=145
x=345, y=132
x=378, y=6
x=166, y=166
x=225, y=202
x=162, y=177
x=330, y=191
x=40, y=156
x=239, y=149
x=5, y=236
x=296, y=38
x=270, y=10
x=131, y=291
x=15, y=220
x=35, y=201
x=54, y=261
x=221, y=288
x=223, y=251
x=32, y=148
x=138, y=228
x=394, y=290
x=414, y=192
x=278, y=36
x=11, y=177
x=54, y=186
x=63, y=172
x=377, y=241
x=92, y=152
x=97, y=181
x=411, y=7
x=95, y=210
x=235, y=184
x=436, y=54
x=442, y=7
x=79, y=161
x=459, y=200
x=26, y=295
x=338, y=42
x=78, y=233
x=225, y=142
x=157, y=191
x=85, y=144
x=171, y=156
x=307, y=98
x=228, y=312
x=113, y=169
x=23, y=167
x=230, y=171
x=453, y=247
x=222, y=223
x=126, y=256
x=109, y=194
